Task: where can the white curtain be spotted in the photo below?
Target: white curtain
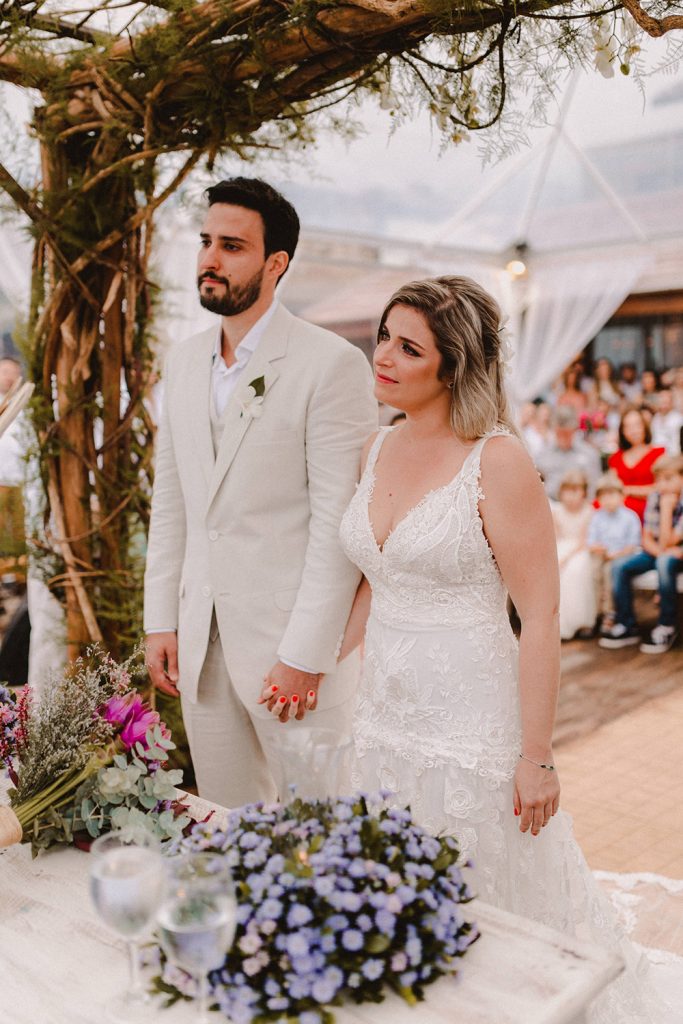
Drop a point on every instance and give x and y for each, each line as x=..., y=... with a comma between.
x=179, y=314
x=15, y=262
x=566, y=304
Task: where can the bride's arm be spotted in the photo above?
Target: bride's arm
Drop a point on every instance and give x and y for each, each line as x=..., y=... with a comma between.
x=519, y=528
x=358, y=617
x=360, y=609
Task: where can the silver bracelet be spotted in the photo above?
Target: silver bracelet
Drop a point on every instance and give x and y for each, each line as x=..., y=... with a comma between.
x=548, y=767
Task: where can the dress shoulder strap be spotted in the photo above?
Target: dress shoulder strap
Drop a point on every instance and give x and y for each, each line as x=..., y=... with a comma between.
x=474, y=457
x=375, y=448
x=498, y=431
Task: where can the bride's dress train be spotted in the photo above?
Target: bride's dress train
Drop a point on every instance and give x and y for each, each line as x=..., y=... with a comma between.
x=438, y=720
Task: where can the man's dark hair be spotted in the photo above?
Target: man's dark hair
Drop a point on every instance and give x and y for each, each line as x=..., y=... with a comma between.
x=280, y=219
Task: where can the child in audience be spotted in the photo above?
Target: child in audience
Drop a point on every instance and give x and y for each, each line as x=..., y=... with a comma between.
x=663, y=551
x=614, y=532
x=572, y=515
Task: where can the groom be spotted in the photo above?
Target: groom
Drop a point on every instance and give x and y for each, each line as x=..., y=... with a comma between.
x=257, y=457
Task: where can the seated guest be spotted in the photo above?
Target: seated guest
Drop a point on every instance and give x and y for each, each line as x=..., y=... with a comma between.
x=649, y=386
x=677, y=387
x=663, y=551
x=605, y=385
x=628, y=383
x=535, y=427
x=614, y=532
x=572, y=515
x=566, y=452
x=570, y=392
x=634, y=460
x=667, y=423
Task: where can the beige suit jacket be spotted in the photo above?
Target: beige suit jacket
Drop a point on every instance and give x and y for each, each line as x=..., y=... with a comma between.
x=254, y=531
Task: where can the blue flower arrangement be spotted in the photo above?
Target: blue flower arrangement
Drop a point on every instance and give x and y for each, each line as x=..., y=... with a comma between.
x=339, y=900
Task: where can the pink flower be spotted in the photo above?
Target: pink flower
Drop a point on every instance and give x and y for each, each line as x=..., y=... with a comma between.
x=134, y=717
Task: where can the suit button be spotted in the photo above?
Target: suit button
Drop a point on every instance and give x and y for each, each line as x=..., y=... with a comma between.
x=206, y=591
x=213, y=534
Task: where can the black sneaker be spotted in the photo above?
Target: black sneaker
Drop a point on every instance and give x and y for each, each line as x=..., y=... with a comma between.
x=659, y=640
x=619, y=635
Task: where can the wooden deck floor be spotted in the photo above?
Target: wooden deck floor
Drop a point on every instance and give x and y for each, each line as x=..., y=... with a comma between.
x=599, y=686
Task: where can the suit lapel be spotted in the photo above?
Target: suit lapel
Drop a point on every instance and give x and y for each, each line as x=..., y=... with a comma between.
x=263, y=363
x=198, y=384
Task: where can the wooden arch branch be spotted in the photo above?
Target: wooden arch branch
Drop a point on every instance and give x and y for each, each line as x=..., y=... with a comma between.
x=653, y=26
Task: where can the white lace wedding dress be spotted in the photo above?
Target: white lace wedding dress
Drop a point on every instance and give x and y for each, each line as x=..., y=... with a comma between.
x=438, y=719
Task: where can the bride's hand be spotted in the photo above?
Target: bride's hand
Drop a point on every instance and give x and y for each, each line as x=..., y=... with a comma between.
x=289, y=692
x=537, y=796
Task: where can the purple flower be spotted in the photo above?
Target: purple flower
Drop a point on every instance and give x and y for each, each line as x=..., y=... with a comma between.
x=296, y=945
x=399, y=962
x=269, y=910
x=414, y=950
x=298, y=916
x=385, y=921
x=351, y=902
x=352, y=940
x=324, y=886
x=325, y=988
x=337, y=922
x=373, y=969
x=133, y=717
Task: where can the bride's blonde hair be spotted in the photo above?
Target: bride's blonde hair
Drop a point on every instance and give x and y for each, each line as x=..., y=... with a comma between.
x=466, y=323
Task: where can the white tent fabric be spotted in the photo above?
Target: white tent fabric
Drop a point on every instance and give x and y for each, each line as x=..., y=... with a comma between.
x=15, y=264
x=566, y=306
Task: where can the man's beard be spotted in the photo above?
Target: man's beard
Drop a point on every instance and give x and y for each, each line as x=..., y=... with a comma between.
x=236, y=299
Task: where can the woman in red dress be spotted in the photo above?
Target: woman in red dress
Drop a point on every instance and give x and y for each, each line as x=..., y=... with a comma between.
x=633, y=461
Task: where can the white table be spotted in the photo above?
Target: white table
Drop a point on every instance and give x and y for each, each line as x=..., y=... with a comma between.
x=59, y=965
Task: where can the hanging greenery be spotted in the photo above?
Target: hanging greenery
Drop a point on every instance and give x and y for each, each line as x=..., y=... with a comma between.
x=129, y=98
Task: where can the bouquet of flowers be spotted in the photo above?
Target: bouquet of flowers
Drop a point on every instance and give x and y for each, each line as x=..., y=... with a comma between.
x=339, y=899
x=87, y=758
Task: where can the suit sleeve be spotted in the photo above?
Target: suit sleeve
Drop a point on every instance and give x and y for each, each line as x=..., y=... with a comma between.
x=341, y=415
x=166, y=542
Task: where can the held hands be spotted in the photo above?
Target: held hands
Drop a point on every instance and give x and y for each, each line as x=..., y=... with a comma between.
x=161, y=658
x=289, y=692
x=537, y=796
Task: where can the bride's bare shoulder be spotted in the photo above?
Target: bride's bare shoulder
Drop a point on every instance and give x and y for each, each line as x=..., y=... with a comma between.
x=505, y=460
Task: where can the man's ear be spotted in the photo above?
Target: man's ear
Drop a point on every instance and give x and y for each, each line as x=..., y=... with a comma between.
x=277, y=263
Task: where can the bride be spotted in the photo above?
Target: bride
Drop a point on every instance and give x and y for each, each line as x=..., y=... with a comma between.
x=454, y=717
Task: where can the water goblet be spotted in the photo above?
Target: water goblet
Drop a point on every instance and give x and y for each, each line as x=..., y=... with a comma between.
x=197, y=920
x=126, y=887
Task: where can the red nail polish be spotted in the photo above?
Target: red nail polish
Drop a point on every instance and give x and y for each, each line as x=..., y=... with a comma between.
x=516, y=813
x=295, y=698
x=275, y=688
x=283, y=700
x=311, y=693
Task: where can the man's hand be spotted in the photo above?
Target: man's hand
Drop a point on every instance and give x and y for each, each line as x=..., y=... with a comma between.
x=161, y=658
x=289, y=692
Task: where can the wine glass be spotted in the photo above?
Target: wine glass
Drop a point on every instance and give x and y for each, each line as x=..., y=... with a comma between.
x=198, y=917
x=126, y=886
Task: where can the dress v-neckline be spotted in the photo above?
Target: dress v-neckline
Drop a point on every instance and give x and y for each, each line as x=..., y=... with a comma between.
x=370, y=470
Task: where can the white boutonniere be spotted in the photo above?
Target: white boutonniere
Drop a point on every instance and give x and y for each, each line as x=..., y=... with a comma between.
x=252, y=402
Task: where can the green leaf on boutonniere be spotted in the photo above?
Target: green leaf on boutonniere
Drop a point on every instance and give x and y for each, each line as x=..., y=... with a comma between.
x=259, y=386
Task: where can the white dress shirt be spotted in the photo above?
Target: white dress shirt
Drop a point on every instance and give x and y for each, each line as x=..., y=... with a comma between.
x=224, y=380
